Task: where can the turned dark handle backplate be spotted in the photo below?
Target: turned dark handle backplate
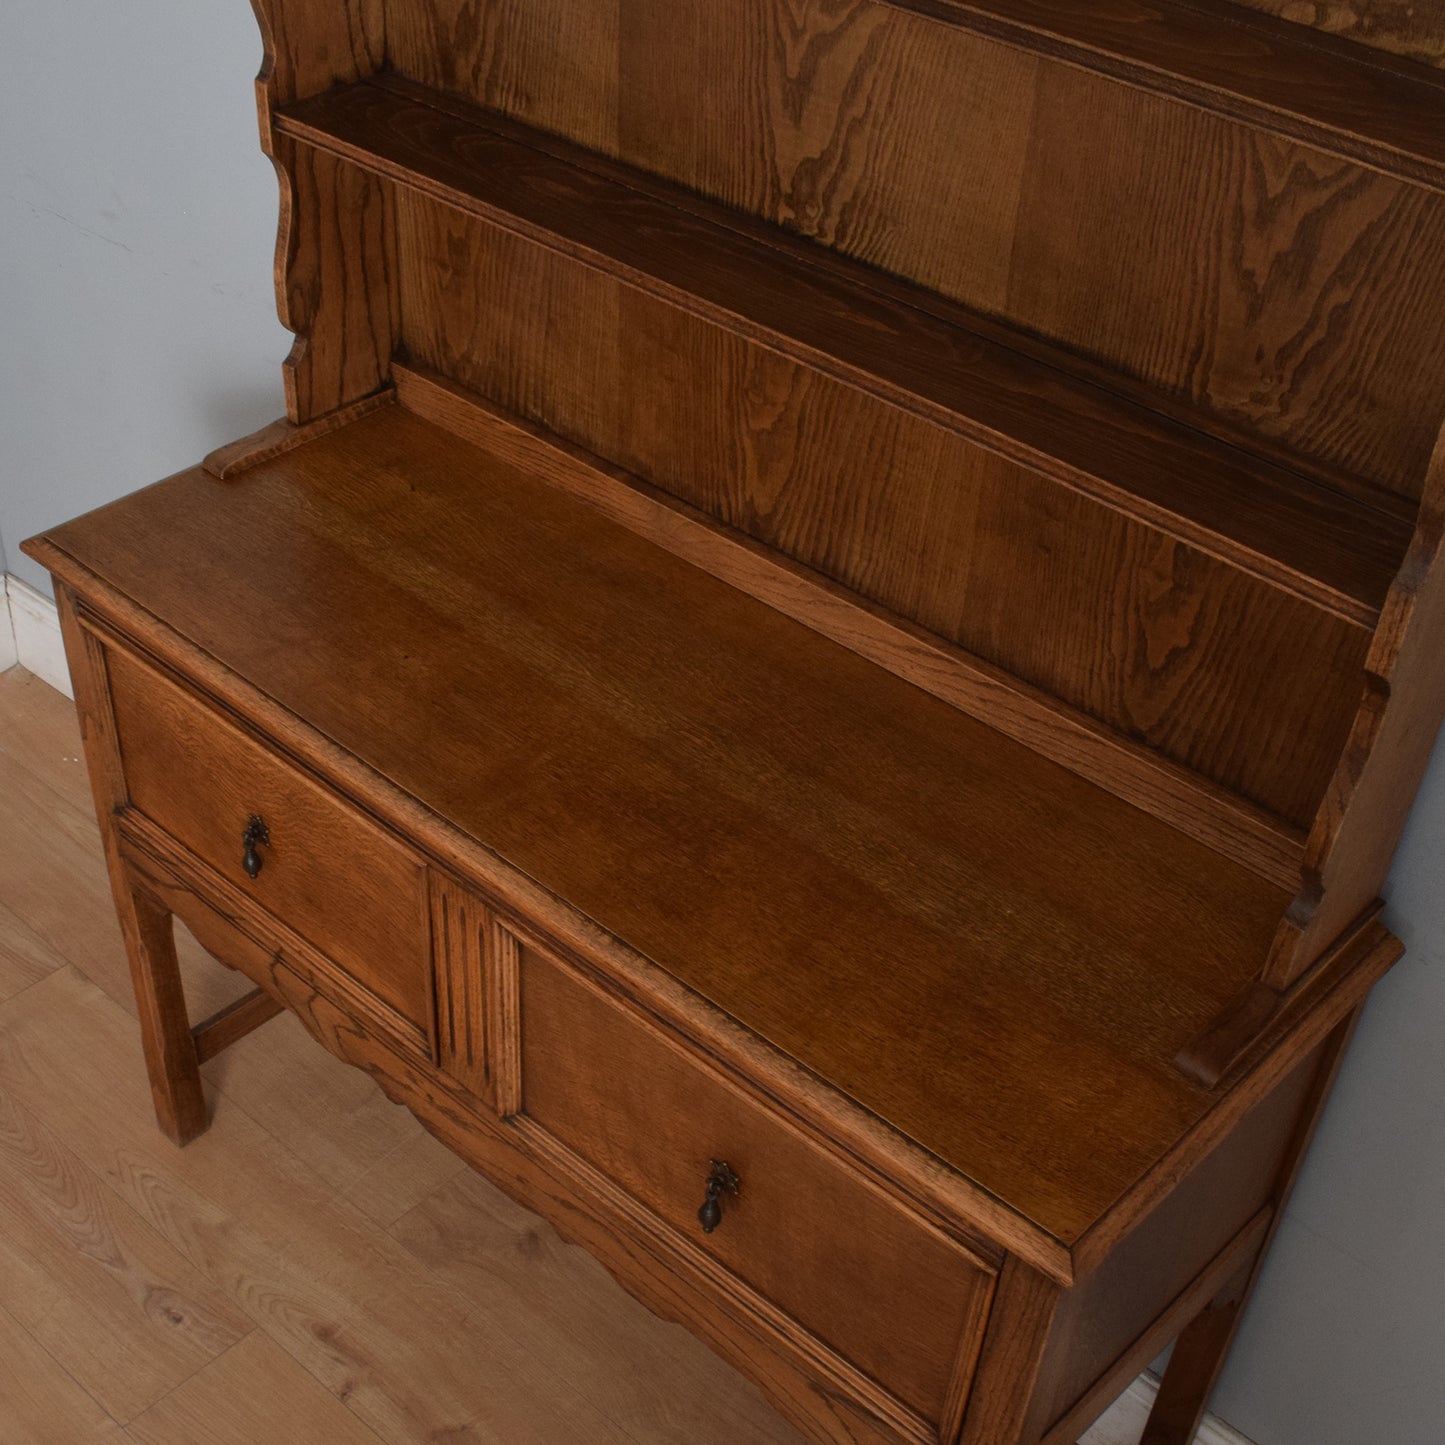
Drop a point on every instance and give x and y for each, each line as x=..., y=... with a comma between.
x=257, y=835
x=720, y=1180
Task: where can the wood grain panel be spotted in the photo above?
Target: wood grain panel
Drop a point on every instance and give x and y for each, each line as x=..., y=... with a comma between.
x=848, y=114
x=553, y=63
x=335, y=280
x=327, y=871
x=555, y=351
x=1138, y=774
x=890, y=1293
x=1412, y=28
x=1030, y=188
x=1121, y=622
x=1285, y=290
x=893, y=341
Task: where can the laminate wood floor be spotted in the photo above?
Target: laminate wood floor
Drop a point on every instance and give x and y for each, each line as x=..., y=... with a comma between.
x=315, y=1269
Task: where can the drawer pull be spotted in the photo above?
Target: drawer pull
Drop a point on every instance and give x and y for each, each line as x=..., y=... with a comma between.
x=720, y=1180
x=257, y=835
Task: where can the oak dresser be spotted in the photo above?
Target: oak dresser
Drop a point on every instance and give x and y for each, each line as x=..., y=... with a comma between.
x=825, y=669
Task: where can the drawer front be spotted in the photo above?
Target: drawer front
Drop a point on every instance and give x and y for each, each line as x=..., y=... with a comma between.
x=892, y=1295
x=328, y=872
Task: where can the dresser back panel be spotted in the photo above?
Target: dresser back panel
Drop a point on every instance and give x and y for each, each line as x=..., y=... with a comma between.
x=1158, y=640
x=1412, y=28
x=1282, y=291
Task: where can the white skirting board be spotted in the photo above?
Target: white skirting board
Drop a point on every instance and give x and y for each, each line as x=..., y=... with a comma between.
x=30, y=635
x=8, y=656
x=1128, y=1415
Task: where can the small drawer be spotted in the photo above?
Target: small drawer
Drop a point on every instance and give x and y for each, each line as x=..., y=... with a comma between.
x=892, y=1295
x=326, y=871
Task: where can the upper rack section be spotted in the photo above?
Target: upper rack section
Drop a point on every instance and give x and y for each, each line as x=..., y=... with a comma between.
x=1275, y=75
x=918, y=351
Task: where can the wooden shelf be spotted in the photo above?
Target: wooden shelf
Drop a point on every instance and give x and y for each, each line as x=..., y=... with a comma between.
x=1337, y=550
x=828, y=854
x=1275, y=75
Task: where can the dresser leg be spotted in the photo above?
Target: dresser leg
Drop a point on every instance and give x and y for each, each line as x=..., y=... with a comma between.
x=150, y=945
x=170, y=1048
x=1199, y=1356
x=1201, y=1350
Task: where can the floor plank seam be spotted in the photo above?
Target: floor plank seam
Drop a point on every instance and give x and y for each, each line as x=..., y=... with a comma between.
x=201, y=1368
x=60, y=1365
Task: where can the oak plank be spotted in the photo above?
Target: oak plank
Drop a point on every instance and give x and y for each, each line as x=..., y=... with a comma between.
x=1316, y=89
x=254, y=1392
x=339, y=1295
x=41, y=733
x=39, y=1402
x=417, y=1168
x=337, y=292
x=25, y=956
x=332, y=1117
x=655, y=1380
x=101, y=1289
x=537, y=57
x=308, y=47
x=1269, y=74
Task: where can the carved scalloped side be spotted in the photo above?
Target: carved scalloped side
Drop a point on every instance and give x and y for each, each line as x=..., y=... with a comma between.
x=286, y=246
x=308, y=45
x=311, y=45
x=1368, y=800
x=265, y=86
x=265, y=77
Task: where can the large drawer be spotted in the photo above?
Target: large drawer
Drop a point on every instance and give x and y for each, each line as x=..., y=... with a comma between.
x=891, y=1294
x=328, y=872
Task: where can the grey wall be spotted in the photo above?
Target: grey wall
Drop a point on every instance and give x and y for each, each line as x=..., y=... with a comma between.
x=136, y=229
x=1345, y=1341
x=137, y=222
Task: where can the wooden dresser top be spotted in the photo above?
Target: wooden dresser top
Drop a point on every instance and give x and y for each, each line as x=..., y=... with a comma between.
x=995, y=956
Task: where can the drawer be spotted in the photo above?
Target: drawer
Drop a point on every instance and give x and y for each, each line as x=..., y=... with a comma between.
x=329, y=873
x=882, y=1288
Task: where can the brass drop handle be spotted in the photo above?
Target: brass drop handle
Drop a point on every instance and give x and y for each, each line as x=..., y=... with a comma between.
x=257, y=835
x=720, y=1180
